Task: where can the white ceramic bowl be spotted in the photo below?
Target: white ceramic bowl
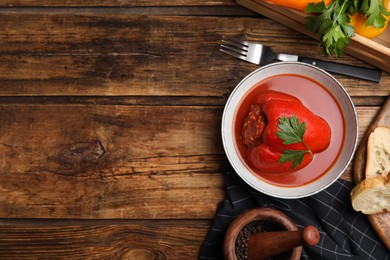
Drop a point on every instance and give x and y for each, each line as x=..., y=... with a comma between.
x=334, y=169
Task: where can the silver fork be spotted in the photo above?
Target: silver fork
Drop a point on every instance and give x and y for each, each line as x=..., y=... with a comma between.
x=261, y=54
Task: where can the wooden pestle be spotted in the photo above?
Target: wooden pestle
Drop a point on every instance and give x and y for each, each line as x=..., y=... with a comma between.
x=262, y=245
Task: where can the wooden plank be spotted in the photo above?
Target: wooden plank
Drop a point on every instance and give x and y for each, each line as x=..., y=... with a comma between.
x=100, y=240
x=83, y=161
x=112, y=55
x=122, y=55
x=116, y=3
x=101, y=153
x=198, y=10
x=130, y=132
x=130, y=196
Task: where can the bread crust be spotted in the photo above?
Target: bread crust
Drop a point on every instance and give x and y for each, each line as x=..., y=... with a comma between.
x=372, y=195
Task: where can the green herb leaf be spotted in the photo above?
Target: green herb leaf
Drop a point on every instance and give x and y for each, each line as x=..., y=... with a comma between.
x=293, y=155
x=291, y=131
x=331, y=22
x=374, y=10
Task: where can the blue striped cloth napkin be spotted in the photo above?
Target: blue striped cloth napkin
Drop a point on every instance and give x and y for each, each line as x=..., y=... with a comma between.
x=345, y=233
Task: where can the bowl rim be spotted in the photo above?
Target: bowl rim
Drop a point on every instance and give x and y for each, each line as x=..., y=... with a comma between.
x=229, y=144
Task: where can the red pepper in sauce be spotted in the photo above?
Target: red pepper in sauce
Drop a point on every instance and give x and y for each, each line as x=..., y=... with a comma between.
x=260, y=127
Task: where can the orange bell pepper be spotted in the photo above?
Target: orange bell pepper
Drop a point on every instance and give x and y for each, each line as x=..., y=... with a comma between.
x=358, y=21
x=295, y=4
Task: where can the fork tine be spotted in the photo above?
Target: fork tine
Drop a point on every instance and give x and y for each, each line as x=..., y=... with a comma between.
x=234, y=54
x=239, y=51
x=237, y=40
x=236, y=43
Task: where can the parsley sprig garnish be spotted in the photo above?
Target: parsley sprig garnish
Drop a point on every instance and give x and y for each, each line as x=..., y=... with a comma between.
x=331, y=22
x=291, y=131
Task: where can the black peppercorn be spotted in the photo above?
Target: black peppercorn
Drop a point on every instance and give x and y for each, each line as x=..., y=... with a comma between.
x=241, y=246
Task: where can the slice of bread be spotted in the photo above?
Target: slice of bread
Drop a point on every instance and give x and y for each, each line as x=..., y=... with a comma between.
x=378, y=152
x=372, y=195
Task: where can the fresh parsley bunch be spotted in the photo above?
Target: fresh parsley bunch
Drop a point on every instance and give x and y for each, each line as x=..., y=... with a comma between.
x=331, y=22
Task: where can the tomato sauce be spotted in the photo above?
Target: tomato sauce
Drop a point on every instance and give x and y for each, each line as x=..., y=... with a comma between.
x=316, y=98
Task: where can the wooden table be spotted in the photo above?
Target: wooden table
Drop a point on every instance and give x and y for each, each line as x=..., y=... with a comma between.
x=110, y=118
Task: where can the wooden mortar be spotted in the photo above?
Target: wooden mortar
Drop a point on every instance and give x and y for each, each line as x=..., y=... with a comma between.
x=286, y=243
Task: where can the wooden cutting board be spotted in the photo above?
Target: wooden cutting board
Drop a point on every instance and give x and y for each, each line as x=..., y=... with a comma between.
x=380, y=222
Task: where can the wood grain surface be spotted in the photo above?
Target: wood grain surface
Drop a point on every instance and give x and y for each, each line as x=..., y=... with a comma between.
x=116, y=55
x=102, y=239
x=110, y=118
x=116, y=3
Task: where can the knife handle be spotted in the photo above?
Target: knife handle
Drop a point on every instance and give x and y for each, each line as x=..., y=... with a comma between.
x=347, y=70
